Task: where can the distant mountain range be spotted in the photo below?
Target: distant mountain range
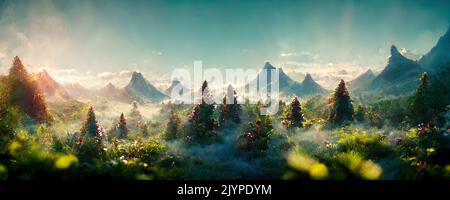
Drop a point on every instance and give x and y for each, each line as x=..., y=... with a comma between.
x=51, y=89
x=287, y=86
x=401, y=75
x=138, y=89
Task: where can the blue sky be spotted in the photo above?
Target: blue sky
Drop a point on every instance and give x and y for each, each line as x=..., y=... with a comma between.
x=156, y=36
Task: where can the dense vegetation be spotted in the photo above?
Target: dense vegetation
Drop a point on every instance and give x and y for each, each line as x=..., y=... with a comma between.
x=339, y=136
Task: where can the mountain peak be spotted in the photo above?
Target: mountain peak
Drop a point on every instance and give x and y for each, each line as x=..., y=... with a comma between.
x=439, y=55
x=308, y=77
x=394, y=51
x=136, y=75
x=369, y=72
x=110, y=85
x=267, y=65
x=139, y=88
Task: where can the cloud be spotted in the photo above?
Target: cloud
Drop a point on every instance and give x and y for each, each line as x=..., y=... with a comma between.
x=112, y=75
x=302, y=56
x=411, y=54
x=158, y=53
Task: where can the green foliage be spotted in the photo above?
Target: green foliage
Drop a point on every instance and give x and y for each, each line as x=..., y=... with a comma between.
x=9, y=122
x=202, y=127
x=293, y=116
x=22, y=91
x=419, y=111
x=341, y=105
x=122, y=127
x=256, y=136
x=173, y=126
x=230, y=111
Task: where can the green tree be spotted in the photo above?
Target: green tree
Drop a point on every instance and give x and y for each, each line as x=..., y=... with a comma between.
x=122, y=127
x=135, y=117
x=256, y=136
x=341, y=105
x=22, y=91
x=90, y=125
x=293, y=117
x=173, y=126
x=230, y=110
x=202, y=123
x=91, y=138
x=418, y=108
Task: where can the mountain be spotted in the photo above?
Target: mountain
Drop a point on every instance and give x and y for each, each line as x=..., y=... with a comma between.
x=310, y=87
x=287, y=86
x=140, y=89
x=111, y=92
x=439, y=55
x=401, y=75
x=362, y=80
x=78, y=92
x=175, y=83
x=51, y=89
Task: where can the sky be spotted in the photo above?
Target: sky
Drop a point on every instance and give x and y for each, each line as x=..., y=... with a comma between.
x=93, y=42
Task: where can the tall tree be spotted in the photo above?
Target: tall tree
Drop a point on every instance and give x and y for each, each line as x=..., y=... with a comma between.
x=22, y=91
x=419, y=107
x=91, y=138
x=122, y=127
x=294, y=117
x=201, y=117
x=90, y=125
x=135, y=117
x=230, y=110
x=341, y=105
x=173, y=126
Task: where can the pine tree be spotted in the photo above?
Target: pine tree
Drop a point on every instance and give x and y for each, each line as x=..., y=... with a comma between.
x=90, y=126
x=135, y=117
x=341, y=105
x=22, y=91
x=418, y=107
x=173, y=126
x=122, y=127
x=201, y=117
x=230, y=112
x=144, y=129
x=91, y=140
x=294, y=116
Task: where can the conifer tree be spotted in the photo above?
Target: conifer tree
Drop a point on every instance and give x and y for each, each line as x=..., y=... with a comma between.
x=135, y=117
x=22, y=91
x=122, y=127
x=418, y=107
x=173, y=126
x=144, y=129
x=91, y=140
x=294, y=117
x=341, y=105
x=201, y=117
x=90, y=125
x=230, y=111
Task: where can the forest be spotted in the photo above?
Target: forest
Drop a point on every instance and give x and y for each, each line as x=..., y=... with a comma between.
x=339, y=135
